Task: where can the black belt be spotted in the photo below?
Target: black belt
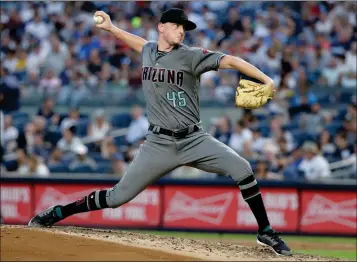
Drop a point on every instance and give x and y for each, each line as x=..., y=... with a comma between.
x=179, y=134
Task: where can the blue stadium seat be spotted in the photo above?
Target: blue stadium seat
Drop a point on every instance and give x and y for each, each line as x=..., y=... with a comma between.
x=82, y=127
x=261, y=117
x=20, y=119
x=264, y=130
x=333, y=127
x=104, y=168
x=341, y=114
x=96, y=156
x=292, y=125
x=120, y=141
x=83, y=169
x=324, y=99
x=10, y=165
x=346, y=97
x=58, y=168
x=53, y=137
x=17, y=115
x=331, y=158
x=121, y=120
x=301, y=136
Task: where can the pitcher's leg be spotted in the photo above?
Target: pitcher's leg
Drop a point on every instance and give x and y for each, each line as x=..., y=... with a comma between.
x=153, y=161
x=210, y=155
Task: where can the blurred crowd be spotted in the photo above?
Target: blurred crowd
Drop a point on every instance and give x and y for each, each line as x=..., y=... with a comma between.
x=275, y=152
x=74, y=142
x=53, y=49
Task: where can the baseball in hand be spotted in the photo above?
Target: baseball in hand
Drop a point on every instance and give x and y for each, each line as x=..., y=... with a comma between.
x=98, y=19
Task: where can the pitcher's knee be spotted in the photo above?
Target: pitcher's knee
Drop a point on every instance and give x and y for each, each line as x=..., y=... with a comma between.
x=119, y=195
x=242, y=169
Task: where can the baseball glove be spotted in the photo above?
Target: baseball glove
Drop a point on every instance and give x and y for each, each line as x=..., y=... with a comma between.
x=251, y=95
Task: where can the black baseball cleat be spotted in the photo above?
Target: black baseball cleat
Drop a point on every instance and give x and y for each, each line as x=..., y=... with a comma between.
x=45, y=218
x=271, y=239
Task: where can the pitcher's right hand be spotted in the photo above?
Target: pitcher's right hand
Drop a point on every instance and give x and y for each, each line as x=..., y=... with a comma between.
x=107, y=23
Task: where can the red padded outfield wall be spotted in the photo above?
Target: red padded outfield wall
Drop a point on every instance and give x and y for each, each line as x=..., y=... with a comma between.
x=192, y=207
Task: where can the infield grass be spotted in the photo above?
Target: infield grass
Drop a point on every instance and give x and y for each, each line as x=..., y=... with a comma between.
x=348, y=254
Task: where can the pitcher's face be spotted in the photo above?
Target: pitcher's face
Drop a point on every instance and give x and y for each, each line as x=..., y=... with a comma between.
x=172, y=33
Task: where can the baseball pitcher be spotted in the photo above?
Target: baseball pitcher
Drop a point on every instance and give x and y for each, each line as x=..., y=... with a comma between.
x=171, y=77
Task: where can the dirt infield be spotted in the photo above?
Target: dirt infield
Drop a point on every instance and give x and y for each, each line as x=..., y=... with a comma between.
x=20, y=243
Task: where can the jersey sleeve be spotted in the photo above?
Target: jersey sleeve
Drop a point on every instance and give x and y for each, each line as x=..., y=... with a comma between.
x=205, y=60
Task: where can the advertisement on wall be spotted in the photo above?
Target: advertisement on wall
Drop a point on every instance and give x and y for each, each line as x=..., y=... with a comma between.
x=143, y=210
x=191, y=207
x=224, y=208
x=328, y=212
x=16, y=200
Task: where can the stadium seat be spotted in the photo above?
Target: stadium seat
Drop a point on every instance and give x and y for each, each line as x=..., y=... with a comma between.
x=17, y=115
x=53, y=137
x=333, y=127
x=341, y=114
x=346, y=97
x=324, y=99
x=301, y=136
x=121, y=120
x=104, y=168
x=96, y=156
x=83, y=169
x=10, y=165
x=58, y=168
x=120, y=141
x=82, y=127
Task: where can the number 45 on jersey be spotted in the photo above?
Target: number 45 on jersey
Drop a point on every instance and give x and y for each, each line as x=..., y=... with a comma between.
x=177, y=98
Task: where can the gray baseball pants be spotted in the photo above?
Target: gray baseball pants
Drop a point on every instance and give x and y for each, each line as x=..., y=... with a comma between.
x=160, y=154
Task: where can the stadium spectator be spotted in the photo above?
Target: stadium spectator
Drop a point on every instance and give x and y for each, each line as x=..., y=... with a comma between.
x=108, y=148
x=9, y=91
x=344, y=149
x=10, y=134
x=221, y=129
x=241, y=135
x=313, y=121
x=30, y=164
x=262, y=172
x=82, y=159
x=277, y=132
x=50, y=84
x=75, y=92
x=138, y=127
x=40, y=148
x=258, y=141
x=291, y=170
x=100, y=126
x=69, y=142
x=325, y=143
x=314, y=166
x=57, y=54
x=47, y=111
x=118, y=164
x=72, y=118
x=56, y=157
x=37, y=27
x=39, y=125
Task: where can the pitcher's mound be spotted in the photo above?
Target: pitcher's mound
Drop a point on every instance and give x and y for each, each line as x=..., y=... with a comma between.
x=72, y=243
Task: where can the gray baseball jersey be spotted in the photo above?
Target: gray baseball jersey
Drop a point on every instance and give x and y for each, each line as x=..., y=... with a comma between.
x=171, y=82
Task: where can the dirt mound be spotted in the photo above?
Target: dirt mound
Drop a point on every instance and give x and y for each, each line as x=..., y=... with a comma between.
x=73, y=243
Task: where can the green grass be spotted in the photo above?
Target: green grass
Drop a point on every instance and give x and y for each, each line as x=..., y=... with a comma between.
x=314, y=239
x=342, y=254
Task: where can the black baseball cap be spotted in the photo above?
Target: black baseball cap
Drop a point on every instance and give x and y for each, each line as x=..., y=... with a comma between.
x=178, y=16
